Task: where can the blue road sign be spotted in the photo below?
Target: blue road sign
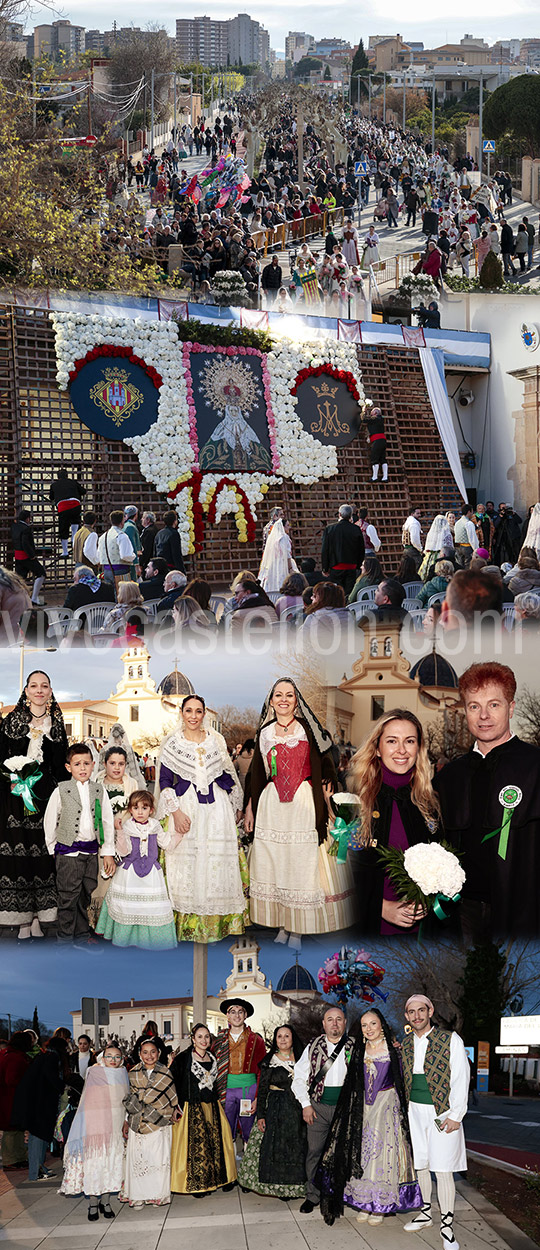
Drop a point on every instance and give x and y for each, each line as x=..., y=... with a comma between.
x=360, y=167
x=488, y=145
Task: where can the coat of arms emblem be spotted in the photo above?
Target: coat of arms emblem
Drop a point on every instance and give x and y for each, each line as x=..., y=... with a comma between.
x=116, y=395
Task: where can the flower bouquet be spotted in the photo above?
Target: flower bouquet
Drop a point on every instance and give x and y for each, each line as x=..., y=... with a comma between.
x=345, y=828
x=351, y=973
x=23, y=774
x=228, y=287
x=417, y=284
x=428, y=874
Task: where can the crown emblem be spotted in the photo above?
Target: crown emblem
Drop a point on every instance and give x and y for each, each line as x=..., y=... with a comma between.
x=325, y=391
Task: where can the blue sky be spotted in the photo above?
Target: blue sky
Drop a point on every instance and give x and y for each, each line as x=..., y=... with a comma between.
x=421, y=21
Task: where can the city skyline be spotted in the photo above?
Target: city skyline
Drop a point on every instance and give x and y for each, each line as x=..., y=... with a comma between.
x=376, y=19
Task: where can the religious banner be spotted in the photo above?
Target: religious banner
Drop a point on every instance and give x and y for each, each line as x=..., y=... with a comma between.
x=114, y=393
x=327, y=405
x=230, y=412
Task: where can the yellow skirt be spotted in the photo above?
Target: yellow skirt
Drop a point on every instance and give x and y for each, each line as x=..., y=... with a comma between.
x=202, y=1156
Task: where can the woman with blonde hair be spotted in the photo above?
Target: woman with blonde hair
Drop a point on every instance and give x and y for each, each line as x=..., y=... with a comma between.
x=391, y=774
x=129, y=597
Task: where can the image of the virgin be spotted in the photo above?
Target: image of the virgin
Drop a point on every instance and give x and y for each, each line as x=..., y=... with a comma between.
x=233, y=429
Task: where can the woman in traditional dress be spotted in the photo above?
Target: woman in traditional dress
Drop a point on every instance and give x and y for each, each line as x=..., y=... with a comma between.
x=438, y=538
x=296, y=885
x=203, y=1157
x=274, y=1159
x=205, y=865
x=120, y=785
x=152, y=1107
x=32, y=734
x=277, y=561
x=94, y=1151
x=391, y=774
x=367, y=1162
x=137, y=910
x=118, y=738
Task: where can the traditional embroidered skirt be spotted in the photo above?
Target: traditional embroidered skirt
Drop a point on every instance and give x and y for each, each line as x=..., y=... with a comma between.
x=147, y=1177
x=202, y=1155
x=294, y=883
x=388, y=1183
x=137, y=911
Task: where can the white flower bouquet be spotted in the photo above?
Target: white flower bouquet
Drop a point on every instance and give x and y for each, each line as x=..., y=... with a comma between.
x=23, y=774
x=428, y=874
x=228, y=285
x=417, y=284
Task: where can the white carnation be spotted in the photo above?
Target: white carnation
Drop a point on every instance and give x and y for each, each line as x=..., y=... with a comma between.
x=434, y=869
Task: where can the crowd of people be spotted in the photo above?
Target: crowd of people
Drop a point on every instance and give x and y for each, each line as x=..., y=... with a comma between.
x=354, y=1119
x=475, y=560
x=95, y=852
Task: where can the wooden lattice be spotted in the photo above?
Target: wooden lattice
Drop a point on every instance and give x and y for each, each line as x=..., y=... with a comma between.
x=41, y=432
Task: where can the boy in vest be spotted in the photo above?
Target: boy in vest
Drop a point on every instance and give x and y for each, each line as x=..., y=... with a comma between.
x=79, y=826
x=318, y=1077
x=436, y=1075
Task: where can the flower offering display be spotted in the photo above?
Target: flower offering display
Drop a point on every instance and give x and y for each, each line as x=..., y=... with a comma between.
x=253, y=437
x=351, y=973
x=428, y=874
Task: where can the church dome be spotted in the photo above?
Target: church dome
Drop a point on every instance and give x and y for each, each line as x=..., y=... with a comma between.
x=296, y=978
x=434, y=670
x=175, y=686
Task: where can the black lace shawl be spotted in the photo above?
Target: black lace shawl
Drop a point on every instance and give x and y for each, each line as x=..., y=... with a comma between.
x=342, y=1154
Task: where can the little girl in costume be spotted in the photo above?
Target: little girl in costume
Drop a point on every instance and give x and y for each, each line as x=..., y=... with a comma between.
x=137, y=909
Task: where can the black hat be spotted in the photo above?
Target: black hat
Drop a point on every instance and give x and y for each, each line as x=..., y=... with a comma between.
x=236, y=1002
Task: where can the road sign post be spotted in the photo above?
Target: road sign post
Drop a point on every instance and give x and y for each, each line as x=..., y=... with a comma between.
x=488, y=146
x=95, y=1011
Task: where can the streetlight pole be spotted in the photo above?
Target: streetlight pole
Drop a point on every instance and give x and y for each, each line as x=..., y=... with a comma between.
x=481, y=124
x=175, y=106
x=384, y=101
x=433, y=98
x=369, y=97
x=152, y=112
x=404, y=92
x=191, y=99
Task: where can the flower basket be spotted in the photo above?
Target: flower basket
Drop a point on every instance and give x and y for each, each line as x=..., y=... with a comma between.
x=414, y=284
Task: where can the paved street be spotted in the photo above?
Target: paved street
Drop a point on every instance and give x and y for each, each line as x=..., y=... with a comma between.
x=35, y=1215
x=505, y=1125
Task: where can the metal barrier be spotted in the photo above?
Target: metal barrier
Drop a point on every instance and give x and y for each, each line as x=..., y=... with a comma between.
x=392, y=270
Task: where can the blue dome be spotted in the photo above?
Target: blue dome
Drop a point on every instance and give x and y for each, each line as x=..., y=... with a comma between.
x=296, y=978
x=434, y=670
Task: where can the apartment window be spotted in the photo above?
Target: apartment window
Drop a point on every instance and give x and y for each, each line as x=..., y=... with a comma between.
x=377, y=706
x=69, y=729
x=448, y=85
x=101, y=732
x=167, y=1026
x=90, y=729
x=134, y=712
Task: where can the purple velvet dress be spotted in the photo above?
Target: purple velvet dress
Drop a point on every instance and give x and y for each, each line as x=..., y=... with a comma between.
x=388, y=1184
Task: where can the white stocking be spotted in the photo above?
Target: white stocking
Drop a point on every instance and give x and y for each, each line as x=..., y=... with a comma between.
x=385, y=473
x=36, y=590
x=446, y=1191
x=65, y=546
x=424, y=1181
x=375, y=473
x=74, y=529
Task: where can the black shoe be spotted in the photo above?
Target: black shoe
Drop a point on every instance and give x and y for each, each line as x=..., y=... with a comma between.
x=107, y=1211
x=231, y=1185
x=307, y=1207
x=93, y=1213
x=330, y=1219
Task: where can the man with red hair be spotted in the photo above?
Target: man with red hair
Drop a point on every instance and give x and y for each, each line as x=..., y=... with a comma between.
x=490, y=803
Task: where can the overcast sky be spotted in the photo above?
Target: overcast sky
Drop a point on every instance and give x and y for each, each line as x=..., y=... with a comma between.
x=315, y=16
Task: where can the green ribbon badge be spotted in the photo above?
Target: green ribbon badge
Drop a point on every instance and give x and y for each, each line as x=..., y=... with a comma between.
x=98, y=822
x=24, y=787
x=342, y=832
x=509, y=798
x=273, y=762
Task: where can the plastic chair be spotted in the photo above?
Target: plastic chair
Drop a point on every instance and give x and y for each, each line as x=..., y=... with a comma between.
x=417, y=617
x=217, y=604
x=151, y=606
x=411, y=604
x=438, y=598
x=95, y=614
x=368, y=593
x=360, y=607
x=509, y=615
x=411, y=588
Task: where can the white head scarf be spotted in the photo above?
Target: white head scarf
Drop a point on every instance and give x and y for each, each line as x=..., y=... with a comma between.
x=439, y=535
x=532, y=537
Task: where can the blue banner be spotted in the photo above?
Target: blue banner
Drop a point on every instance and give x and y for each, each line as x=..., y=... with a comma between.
x=114, y=398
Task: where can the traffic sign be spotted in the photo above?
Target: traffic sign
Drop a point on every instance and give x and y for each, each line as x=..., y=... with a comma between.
x=488, y=145
x=360, y=167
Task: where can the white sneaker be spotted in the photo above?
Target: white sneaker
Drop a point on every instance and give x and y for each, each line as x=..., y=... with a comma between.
x=421, y=1220
x=447, y=1231
x=363, y=1217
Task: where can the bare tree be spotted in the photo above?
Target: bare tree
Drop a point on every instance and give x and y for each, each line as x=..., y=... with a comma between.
x=309, y=678
x=237, y=723
x=135, y=56
x=528, y=715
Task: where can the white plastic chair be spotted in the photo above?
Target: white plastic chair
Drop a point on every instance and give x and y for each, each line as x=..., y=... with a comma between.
x=411, y=604
x=95, y=614
x=438, y=598
x=509, y=615
x=417, y=617
x=151, y=606
x=411, y=588
x=360, y=607
x=366, y=594
x=217, y=604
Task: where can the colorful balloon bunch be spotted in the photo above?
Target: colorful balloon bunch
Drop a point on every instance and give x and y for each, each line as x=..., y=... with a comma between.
x=351, y=973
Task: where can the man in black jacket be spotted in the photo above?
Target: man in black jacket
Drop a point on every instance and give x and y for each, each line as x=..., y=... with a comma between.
x=343, y=550
x=271, y=279
x=149, y=531
x=26, y=560
x=167, y=543
x=507, y=247
x=66, y=494
x=156, y=572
